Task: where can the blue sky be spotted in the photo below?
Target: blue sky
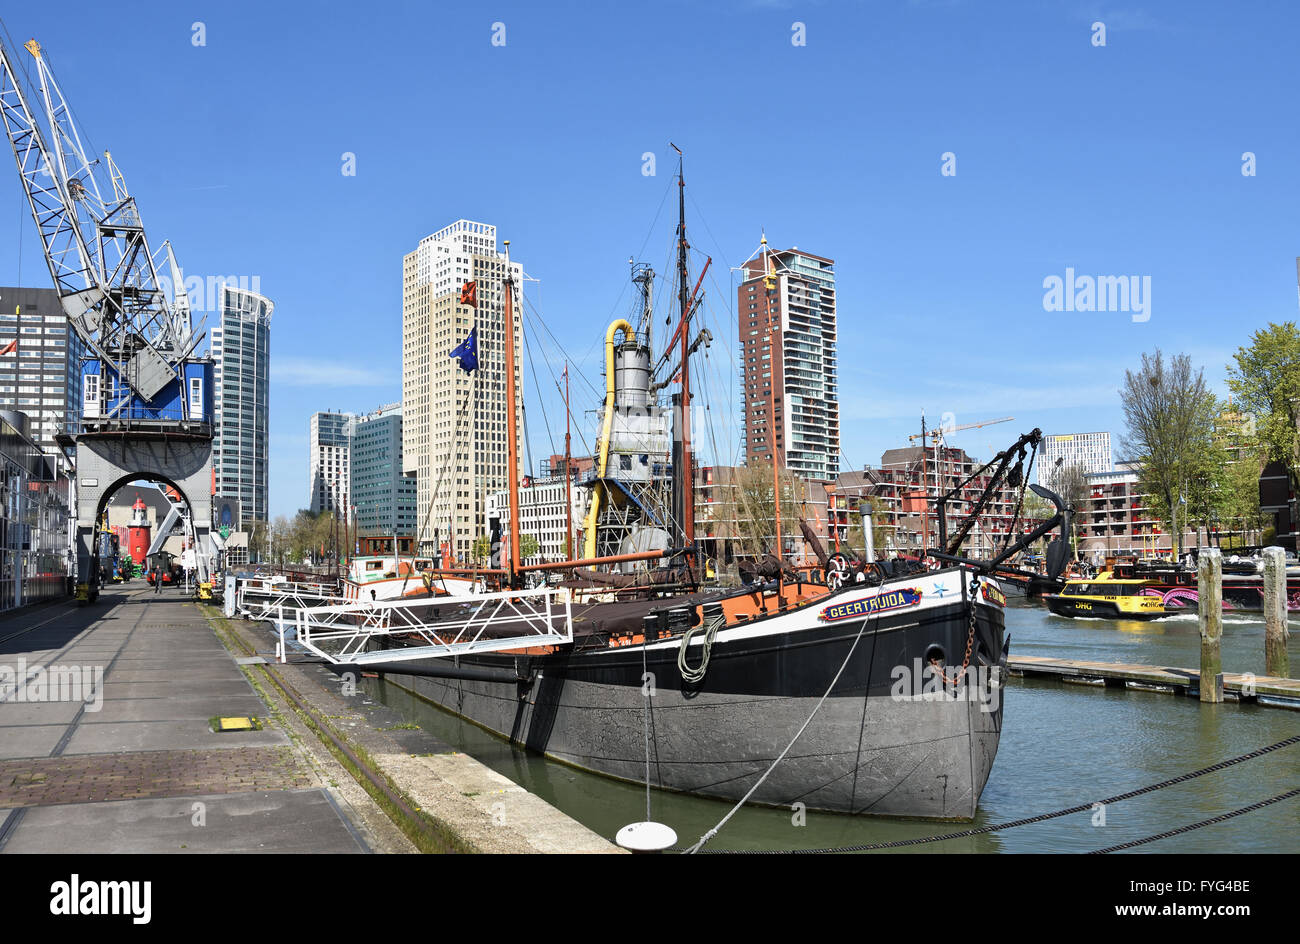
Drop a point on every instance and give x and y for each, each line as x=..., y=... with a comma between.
x=1117, y=160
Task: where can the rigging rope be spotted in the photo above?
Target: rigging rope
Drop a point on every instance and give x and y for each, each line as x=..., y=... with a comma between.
x=451, y=455
x=816, y=708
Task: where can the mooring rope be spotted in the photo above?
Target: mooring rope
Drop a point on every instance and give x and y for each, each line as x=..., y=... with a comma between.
x=1043, y=817
x=1205, y=822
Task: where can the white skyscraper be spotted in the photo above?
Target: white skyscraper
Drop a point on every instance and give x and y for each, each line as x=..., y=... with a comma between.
x=329, y=461
x=1089, y=450
x=454, y=422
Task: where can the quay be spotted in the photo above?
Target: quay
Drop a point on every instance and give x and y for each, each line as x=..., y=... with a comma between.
x=1239, y=688
x=131, y=761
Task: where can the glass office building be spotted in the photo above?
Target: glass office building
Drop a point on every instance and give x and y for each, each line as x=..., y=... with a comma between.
x=41, y=377
x=241, y=348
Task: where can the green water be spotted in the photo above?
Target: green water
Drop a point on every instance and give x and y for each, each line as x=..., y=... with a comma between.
x=1061, y=746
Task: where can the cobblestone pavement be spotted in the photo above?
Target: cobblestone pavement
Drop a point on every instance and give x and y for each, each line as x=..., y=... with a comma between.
x=107, y=766
x=93, y=778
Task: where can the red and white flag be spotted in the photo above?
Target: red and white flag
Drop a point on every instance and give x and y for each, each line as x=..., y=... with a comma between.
x=10, y=347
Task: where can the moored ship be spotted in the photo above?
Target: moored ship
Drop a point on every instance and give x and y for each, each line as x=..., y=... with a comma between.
x=876, y=692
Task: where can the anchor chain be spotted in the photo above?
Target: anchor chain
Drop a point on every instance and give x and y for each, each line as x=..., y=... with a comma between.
x=937, y=666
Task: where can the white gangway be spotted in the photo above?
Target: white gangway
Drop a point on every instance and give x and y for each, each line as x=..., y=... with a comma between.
x=436, y=627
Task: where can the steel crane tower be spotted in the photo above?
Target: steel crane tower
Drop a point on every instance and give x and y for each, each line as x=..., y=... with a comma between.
x=147, y=396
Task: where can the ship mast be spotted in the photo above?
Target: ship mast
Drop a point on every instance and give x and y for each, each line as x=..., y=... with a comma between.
x=769, y=286
x=508, y=286
x=684, y=475
x=568, y=476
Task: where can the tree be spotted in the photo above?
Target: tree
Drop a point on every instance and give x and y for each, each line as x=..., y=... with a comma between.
x=1069, y=480
x=258, y=536
x=280, y=540
x=528, y=546
x=856, y=539
x=1265, y=378
x=1170, y=415
x=745, y=511
x=1236, y=509
x=481, y=548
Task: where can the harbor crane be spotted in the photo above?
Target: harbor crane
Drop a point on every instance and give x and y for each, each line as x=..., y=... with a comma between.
x=146, y=394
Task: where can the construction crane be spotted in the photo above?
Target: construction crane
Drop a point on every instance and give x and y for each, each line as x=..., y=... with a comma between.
x=940, y=431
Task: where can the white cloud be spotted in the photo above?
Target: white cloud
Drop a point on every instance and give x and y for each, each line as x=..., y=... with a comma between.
x=307, y=372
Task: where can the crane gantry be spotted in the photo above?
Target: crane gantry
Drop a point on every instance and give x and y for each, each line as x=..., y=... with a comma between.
x=99, y=256
x=146, y=395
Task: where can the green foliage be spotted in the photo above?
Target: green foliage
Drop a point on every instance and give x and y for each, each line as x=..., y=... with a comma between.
x=1265, y=378
x=482, y=548
x=1170, y=417
x=300, y=541
x=745, y=511
x=528, y=546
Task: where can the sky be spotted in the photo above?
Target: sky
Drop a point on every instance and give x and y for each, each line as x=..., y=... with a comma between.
x=232, y=123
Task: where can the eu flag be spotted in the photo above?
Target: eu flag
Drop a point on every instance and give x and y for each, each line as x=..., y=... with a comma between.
x=467, y=351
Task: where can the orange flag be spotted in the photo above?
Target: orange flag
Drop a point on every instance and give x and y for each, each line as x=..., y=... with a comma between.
x=469, y=294
x=10, y=347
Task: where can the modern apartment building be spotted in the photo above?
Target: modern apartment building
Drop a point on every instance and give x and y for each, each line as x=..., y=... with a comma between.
x=41, y=377
x=790, y=390
x=382, y=497
x=1089, y=450
x=241, y=355
x=454, y=422
x=329, y=461
x=542, y=515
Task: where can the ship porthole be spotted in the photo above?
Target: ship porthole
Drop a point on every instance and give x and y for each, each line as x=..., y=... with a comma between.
x=935, y=654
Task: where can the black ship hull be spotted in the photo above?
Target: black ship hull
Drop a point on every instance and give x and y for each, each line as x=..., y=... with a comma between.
x=889, y=739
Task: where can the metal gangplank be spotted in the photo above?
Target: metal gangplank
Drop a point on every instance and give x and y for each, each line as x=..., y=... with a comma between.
x=261, y=598
x=262, y=603
x=437, y=627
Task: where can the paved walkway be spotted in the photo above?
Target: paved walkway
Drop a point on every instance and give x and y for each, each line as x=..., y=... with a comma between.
x=107, y=747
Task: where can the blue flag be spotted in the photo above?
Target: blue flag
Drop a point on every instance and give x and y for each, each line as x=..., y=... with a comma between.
x=467, y=351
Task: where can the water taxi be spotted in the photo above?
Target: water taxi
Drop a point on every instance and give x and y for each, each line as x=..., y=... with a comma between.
x=1108, y=597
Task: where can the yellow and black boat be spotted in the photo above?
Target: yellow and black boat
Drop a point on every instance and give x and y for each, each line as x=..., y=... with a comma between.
x=1108, y=597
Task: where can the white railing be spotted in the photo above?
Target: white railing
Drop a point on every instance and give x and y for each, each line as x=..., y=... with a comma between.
x=437, y=627
x=262, y=602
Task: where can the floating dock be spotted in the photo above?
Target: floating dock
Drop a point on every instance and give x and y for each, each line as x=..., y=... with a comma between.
x=1242, y=688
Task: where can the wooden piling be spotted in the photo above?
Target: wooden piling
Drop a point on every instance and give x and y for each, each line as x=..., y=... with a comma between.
x=1209, y=594
x=1276, y=661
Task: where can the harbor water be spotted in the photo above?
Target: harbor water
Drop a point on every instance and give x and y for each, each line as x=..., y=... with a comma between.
x=1062, y=746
